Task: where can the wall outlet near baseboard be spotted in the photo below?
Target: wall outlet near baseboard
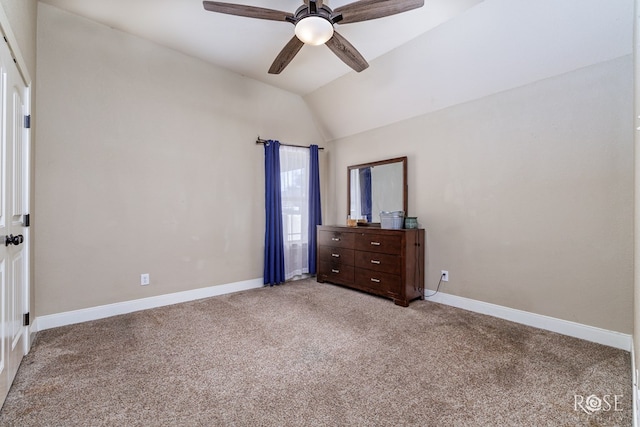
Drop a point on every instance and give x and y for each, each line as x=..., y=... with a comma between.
x=144, y=279
x=445, y=275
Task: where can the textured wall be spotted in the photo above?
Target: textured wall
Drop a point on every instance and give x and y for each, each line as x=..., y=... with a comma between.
x=526, y=195
x=146, y=163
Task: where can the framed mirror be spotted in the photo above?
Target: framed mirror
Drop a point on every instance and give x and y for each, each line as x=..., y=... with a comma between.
x=377, y=186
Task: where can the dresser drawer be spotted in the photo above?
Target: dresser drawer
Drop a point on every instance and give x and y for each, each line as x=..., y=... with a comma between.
x=336, y=239
x=389, y=244
x=381, y=283
x=386, y=263
x=335, y=273
x=336, y=254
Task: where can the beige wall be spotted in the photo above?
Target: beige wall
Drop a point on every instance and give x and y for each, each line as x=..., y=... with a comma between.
x=146, y=163
x=526, y=195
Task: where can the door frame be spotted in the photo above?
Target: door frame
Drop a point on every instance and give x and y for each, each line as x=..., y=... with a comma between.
x=7, y=32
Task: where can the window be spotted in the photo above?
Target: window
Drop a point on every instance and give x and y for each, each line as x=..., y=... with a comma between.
x=294, y=186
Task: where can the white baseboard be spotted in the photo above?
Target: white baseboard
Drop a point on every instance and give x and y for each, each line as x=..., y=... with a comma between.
x=94, y=313
x=565, y=327
x=589, y=333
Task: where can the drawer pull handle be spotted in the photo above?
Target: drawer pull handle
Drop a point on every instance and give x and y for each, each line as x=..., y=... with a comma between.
x=335, y=255
x=335, y=239
x=375, y=243
x=335, y=271
x=375, y=261
x=375, y=280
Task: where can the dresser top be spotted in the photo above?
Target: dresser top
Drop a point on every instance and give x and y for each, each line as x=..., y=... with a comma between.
x=366, y=228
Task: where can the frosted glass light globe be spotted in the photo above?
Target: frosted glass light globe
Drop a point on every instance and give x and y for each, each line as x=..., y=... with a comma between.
x=314, y=30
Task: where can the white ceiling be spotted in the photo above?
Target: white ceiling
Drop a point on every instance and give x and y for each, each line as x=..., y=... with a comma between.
x=249, y=46
x=495, y=46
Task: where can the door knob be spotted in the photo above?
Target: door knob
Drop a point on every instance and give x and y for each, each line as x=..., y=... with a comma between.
x=13, y=240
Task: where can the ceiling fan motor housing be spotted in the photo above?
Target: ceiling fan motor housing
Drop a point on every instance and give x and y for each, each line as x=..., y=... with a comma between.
x=324, y=11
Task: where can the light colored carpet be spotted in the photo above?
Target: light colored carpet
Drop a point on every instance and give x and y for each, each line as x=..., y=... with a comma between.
x=310, y=354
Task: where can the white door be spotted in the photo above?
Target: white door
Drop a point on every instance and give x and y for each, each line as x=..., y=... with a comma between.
x=14, y=236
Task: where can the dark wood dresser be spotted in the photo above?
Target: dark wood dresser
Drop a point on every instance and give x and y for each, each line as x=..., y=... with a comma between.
x=389, y=263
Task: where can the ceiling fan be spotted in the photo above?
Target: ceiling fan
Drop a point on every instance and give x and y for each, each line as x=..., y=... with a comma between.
x=314, y=25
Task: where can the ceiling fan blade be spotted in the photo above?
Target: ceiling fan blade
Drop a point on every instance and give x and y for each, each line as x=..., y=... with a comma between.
x=248, y=11
x=286, y=55
x=365, y=10
x=346, y=52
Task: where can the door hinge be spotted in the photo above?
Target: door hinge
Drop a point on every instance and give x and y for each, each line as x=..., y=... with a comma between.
x=26, y=220
x=27, y=122
x=25, y=319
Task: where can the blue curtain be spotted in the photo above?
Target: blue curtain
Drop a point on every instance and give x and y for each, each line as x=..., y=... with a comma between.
x=365, y=193
x=315, y=209
x=273, y=240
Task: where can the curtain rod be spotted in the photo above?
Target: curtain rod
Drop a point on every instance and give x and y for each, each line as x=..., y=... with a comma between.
x=264, y=141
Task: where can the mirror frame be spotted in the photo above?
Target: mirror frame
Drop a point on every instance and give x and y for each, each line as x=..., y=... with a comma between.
x=405, y=192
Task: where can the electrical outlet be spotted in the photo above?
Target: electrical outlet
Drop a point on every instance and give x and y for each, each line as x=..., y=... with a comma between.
x=445, y=275
x=144, y=279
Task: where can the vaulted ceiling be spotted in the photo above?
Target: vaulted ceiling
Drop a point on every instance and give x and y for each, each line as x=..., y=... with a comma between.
x=447, y=52
x=248, y=46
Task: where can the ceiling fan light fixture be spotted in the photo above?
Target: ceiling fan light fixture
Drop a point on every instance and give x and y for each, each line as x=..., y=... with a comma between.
x=314, y=30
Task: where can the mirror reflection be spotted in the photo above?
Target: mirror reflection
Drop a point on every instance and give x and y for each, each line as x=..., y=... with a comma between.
x=375, y=187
